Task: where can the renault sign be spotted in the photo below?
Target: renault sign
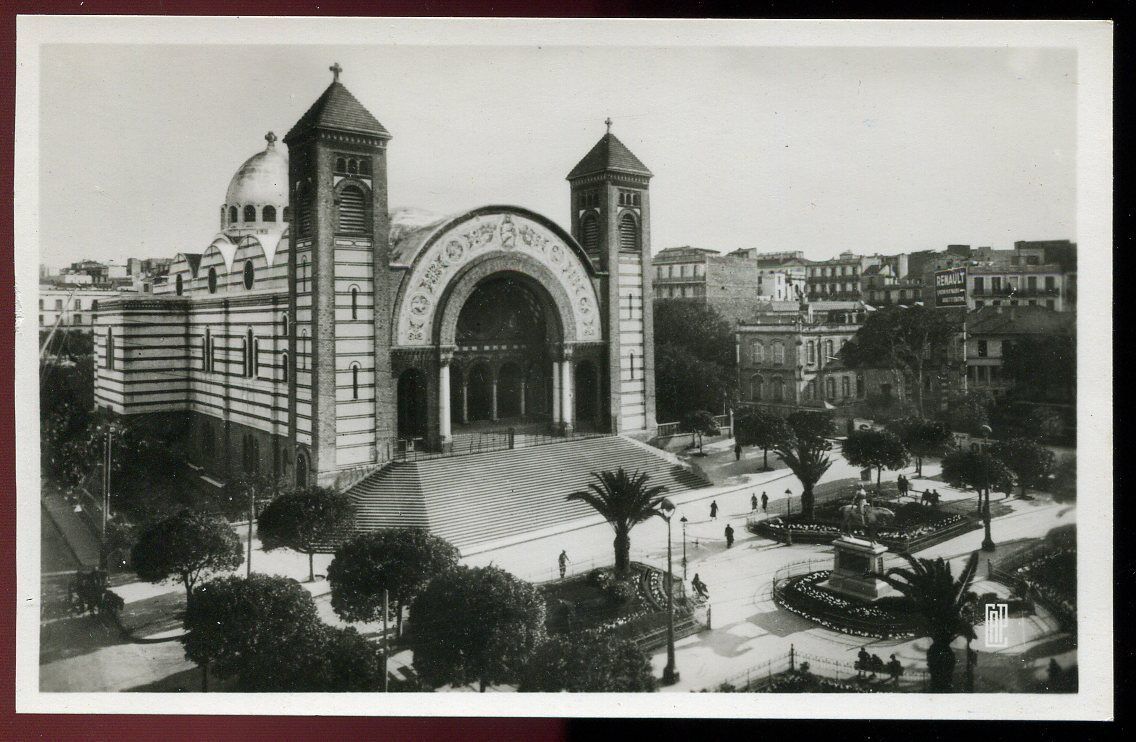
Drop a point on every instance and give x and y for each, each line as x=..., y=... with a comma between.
x=950, y=287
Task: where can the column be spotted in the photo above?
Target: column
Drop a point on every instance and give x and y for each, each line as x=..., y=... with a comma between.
x=599, y=400
x=566, y=393
x=556, y=395
x=493, y=412
x=465, y=398
x=524, y=381
x=445, y=433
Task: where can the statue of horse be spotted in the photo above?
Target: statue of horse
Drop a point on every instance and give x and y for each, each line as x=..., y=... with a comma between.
x=869, y=517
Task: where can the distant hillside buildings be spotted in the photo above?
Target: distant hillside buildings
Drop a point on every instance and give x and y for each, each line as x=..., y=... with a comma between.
x=70, y=298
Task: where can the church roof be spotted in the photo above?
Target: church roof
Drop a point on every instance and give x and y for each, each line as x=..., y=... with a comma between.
x=609, y=154
x=194, y=260
x=338, y=109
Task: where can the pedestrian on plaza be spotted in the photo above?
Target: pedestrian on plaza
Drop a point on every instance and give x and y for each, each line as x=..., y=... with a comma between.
x=764, y=503
x=895, y=669
x=862, y=660
x=752, y=502
x=729, y=535
x=901, y=483
x=737, y=452
x=563, y=560
x=714, y=510
x=877, y=665
x=699, y=586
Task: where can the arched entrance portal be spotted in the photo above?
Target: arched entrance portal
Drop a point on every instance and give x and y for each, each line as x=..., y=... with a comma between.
x=412, y=419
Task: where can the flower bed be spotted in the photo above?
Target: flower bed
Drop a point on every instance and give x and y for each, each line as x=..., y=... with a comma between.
x=802, y=595
x=1053, y=578
x=907, y=536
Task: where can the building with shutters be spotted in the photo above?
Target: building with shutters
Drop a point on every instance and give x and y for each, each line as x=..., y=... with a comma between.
x=317, y=335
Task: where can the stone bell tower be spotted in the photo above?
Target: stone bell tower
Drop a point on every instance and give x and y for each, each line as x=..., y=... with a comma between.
x=611, y=210
x=340, y=399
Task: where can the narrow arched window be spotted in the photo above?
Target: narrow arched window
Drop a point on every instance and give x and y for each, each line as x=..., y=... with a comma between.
x=354, y=302
x=268, y=214
x=340, y=165
x=205, y=343
x=352, y=210
x=232, y=215
x=179, y=285
x=352, y=167
x=250, y=213
x=248, y=274
x=284, y=325
x=811, y=351
x=755, y=387
x=758, y=352
x=628, y=234
x=303, y=351
x=287, y=214
x=212, y=280
x=284, y=367
x=365, y=166
x=250, y=358
x=110, y=348
x=830, y=387
x=354, y=381
x=590, y=233
x=255, y=357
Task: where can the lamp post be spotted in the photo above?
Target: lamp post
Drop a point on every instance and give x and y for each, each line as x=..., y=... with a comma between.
x=670, y=675
x=683, y=521
x=788, y=512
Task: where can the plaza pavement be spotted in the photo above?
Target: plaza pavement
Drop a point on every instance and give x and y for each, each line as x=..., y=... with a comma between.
x=748, y=630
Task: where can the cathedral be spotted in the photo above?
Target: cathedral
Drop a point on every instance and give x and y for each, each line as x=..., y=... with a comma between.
x=318, y=336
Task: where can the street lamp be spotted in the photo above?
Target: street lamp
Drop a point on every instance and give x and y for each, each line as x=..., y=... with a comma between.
x=683, y=521
x=670, y=675
x=788, y=512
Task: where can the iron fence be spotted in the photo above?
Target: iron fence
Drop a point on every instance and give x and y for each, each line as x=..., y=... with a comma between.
x=763, y=674
x=467, y=444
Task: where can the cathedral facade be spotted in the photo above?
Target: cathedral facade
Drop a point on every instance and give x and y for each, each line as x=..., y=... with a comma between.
x=318, y=337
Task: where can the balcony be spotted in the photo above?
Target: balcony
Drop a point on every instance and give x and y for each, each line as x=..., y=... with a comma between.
x=1007, y=291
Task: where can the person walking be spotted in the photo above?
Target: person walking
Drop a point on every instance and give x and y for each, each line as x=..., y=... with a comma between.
x=894, y=670
x=764, y=503
x=862, y=661
x=737, y=452
x=714, y=510
x=752, y=503
x=901, y=485
x=729, y=535
x=563, y=560
x=699, y=586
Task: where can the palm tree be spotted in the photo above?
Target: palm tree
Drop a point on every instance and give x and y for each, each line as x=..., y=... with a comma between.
x=806, y=458
x=938, y=602
x=624, y=501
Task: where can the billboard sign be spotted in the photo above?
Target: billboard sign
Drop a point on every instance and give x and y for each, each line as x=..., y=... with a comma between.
x=950, y=287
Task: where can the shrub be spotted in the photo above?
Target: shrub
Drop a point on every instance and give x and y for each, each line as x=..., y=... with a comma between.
x=620, y=592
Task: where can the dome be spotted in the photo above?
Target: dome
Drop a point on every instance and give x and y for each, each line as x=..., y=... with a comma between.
x=263, y=179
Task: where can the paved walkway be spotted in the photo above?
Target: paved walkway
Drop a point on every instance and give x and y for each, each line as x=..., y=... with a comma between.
x=77, y=534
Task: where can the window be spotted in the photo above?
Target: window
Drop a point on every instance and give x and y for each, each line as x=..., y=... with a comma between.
x=810, y=390
x=41, y=305
x=996, y=283
x=828, y=354
x=811, y=347
x=830, y=387
x=179, y=285
x=1031, y=283
x=845, y=387
x=287, y=214
x=248, y=274
x=303, y=351
x=77, y=319
x=755, y=384
x=352, y=167
x=982, y=348
x=354, y=302
x=354, y=381
x=340, y=165
x=628, y=234
x=1050, y=283
x=979, y=284
x=352, y=210
x=284, y=367
x=59, y=305
x=284, y=325
x=268, y=214
x=303, y=275
x=250, y=213
x=110, y=348
x=859, y=387
x=779, y=389
x=778, y=352
x=304, y=202
x=212, y=280
x=94, y=305
x=250, y=355
x=758, y=351
x=206, y=342
x=255, y=357
x=365, y=166
x=232, y=215
x=590, y=233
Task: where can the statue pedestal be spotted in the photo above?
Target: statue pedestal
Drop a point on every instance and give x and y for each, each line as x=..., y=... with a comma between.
x=855, y=559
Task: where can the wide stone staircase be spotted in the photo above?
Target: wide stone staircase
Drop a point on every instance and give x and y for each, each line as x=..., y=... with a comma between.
x=487, y=497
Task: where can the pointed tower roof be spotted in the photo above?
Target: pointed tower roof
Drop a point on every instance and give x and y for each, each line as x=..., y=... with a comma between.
x=338, y=109
x=609, y=154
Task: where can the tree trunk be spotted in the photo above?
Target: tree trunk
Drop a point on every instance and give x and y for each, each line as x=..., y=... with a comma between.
x=879, y=474
x=987, y=541
x=918, y=466
x=311, y=566
x=919, y=388
x=941, y=665
x=807, y=504
x=622, y=552
x=205, y=678
x=765, y=458
x=398, y=619
x=482, y=685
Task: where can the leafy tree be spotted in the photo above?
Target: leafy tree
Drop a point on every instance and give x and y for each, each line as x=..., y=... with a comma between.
x=256, y=629
x=475, y=624
x=970, y=413
x=904, y=340
x=922, y=438
x=700, y=422
x=186, y=546
x=307, y=521
x=694, y=358
x=1030, y=462
x=1064, y=485
x=980, y=471
x=400, y=561
x=756, y=427
x=878, y=449
x=1036, y=422
x=624, y=500
x=1042, y=368
x=939, y=603
x=588, y=662
x=805, y=453
x=330, y=659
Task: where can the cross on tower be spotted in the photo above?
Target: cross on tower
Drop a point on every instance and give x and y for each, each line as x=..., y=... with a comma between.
x=270, y=138
x=335, y=70
x=607, y=122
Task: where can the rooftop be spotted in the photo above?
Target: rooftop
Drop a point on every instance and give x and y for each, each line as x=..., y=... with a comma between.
x=338, y=109
x=609, y=154
x=1021, y=320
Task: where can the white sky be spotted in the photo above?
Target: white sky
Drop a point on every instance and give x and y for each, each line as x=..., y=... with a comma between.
x=813, y=149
